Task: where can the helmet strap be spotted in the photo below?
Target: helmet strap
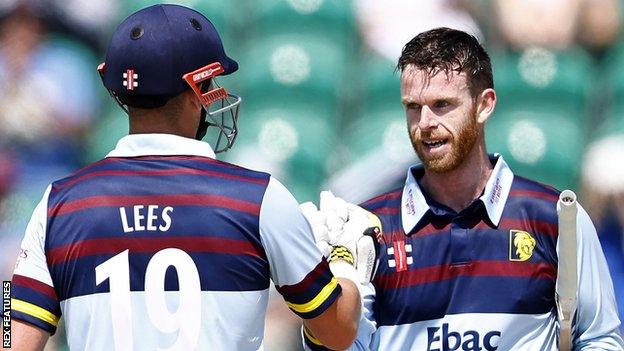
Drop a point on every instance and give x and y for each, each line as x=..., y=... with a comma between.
x=203, y=126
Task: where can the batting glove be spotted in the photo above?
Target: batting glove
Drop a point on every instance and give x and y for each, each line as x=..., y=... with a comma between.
x=347, y=234
x=318, y=223
x=366, y=228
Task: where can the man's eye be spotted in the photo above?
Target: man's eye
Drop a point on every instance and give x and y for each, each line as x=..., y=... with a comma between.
x=441, y=104
x=412, y=106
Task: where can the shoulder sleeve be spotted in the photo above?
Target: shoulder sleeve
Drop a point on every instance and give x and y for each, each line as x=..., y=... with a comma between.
x=33, y=298
x=298, y=269
x=596, y=323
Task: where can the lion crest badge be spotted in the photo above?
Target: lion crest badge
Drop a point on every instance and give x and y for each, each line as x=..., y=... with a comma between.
x=521, y=245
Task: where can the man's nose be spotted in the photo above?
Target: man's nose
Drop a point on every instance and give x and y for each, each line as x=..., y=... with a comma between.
x=427, y=119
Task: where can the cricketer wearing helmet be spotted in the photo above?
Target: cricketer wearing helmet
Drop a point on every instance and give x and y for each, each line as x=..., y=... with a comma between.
x=469, y=255
x=159, y=245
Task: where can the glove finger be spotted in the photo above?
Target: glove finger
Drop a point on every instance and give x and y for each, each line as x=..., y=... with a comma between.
x=319, y=226
x=327, y=200
x=314, y=217
x=363, y=216
x=336, y=210
x=311, y=214
x=324, y=247
x=357, y=213
x=334, y=236
x=331, y=203
x=317, y=221
x=341, y=208
x=334, y=222
x=328, y=207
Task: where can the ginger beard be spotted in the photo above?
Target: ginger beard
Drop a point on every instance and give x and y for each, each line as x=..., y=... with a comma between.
x=461, y=144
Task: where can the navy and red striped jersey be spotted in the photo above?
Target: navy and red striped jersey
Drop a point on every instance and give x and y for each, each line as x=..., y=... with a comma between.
x=159, y=245
x=483, y=278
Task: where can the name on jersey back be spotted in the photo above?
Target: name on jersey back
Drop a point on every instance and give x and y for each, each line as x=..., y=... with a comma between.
x=150, y=218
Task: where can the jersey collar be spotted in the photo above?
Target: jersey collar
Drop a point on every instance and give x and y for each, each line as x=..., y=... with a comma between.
x=414, y=205
x=135, y=145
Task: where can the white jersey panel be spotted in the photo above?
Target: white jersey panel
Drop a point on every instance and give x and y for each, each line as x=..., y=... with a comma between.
x=472, y=331
x=230, y=320
x=32, y=260
x=286, y=236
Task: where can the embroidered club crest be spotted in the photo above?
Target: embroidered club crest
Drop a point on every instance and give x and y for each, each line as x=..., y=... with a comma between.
x=521, y=245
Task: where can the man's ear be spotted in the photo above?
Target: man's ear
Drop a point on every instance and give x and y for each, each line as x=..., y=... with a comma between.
x=485, y=105
x=191, y=98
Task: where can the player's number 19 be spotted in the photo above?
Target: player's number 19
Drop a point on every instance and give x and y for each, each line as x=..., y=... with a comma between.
x=186, y=319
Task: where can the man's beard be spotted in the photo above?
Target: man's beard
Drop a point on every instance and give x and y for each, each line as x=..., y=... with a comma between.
x=461, y=146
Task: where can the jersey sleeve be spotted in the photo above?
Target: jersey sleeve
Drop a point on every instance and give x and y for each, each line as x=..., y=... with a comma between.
x=366, y=328
x=33, y=298
x=298, y=269
x=596, y=324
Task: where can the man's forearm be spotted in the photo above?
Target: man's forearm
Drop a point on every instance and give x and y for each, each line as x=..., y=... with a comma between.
x=336, y=328
x=25, y=337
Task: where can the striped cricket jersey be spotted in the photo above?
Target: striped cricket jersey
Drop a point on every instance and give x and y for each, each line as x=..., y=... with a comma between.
x=483, y=278
x=160, y=246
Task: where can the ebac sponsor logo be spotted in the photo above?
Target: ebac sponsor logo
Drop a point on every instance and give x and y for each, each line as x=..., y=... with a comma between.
x=470, y=340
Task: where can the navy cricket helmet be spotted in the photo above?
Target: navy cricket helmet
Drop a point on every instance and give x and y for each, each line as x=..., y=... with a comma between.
x=162, y=50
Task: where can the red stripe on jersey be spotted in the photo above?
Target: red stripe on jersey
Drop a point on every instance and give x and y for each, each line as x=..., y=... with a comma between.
x=393, y=236
x=541, y=227
x=444, y=272
x=34, y=284
x=429, y=229
x=306, y=282
x=190, y=244
x=534, y=194
x=387, y=196
x=387, y=210
x=202, y=159
x=163, y=200
x=161, y=172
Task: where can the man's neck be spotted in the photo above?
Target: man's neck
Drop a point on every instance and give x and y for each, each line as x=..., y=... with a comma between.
x=150, y=123
x=458, y=188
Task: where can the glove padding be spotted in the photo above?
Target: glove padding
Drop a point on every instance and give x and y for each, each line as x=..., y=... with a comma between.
x=318, y=223
x=345, y=233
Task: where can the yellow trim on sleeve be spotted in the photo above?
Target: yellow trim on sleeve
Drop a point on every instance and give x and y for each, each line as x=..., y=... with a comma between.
x=35, y=311
x=317, y=300
x=310, y=337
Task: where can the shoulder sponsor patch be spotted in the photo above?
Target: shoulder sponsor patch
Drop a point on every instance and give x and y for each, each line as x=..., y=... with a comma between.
x=521, y=245
x=400, y=255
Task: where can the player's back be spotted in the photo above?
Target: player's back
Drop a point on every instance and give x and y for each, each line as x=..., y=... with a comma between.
x=159, y=253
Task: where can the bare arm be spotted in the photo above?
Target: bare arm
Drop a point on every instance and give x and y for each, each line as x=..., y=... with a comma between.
x=330, y=306
x=25, y=337
x=336, y=328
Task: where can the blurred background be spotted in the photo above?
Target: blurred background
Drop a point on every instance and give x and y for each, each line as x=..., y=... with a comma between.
x=321, y=100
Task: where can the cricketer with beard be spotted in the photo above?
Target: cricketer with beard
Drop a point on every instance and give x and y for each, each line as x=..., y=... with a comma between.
x=469, y=254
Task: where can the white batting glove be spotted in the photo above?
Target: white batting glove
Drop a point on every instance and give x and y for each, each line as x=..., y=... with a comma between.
x=318, y=223
x=353, y=234
x=336, y=211
x=342, y=256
